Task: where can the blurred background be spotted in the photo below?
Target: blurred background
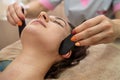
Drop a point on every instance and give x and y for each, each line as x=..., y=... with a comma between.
x=9, y=33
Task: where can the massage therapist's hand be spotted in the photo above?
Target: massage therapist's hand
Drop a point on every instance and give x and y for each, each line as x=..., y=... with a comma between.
x=96, y=30
x=14, y=14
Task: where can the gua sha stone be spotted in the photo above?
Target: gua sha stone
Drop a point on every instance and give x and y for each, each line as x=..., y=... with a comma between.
x=22, y=26
x=66, y=45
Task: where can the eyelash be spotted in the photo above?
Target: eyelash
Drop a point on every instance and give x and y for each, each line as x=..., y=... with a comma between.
x=58, y=23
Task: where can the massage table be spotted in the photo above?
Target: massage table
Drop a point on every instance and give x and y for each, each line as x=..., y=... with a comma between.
x=101, y=63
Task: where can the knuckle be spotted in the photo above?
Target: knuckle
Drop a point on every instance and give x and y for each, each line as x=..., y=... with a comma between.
x=103, y=17
x=93, y=39
x=83, y=43
x=17, y=7
x=107, y=40
x=108, y=23
x=87, y=23
x=9, y=7
x=111, y=32
x=89, y=31
x=11, y=22
x=14, y=4
x=12, y=12
x=87, y=42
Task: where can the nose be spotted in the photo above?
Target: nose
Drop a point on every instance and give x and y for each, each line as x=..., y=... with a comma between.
x=44, y=16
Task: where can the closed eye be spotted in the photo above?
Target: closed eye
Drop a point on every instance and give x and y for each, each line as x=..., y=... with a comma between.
x=58, y=23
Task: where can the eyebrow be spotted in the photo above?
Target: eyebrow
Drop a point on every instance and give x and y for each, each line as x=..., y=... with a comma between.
x=61, y=20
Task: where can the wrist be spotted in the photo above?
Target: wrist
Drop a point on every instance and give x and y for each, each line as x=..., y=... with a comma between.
x=117, y=27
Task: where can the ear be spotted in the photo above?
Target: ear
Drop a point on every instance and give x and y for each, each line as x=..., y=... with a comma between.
x=67, y=55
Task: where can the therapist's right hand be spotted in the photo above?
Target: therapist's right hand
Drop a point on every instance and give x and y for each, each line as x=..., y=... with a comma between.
x=15, y=14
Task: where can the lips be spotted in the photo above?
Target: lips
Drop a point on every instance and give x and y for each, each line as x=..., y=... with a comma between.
x=38, y=22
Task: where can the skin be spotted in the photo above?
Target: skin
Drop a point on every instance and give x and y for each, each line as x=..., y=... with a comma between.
x=94, y=31
x=31, y=10
x=40, y=49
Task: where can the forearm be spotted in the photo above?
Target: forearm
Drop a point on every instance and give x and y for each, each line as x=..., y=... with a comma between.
x=33, y=9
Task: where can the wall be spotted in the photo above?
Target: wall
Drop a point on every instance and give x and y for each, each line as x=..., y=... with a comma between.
x=8, y=33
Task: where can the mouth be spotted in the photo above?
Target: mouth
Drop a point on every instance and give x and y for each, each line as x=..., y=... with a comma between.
x=38, y=21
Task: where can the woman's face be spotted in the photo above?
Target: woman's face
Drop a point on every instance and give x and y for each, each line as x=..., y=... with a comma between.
x=45, y=33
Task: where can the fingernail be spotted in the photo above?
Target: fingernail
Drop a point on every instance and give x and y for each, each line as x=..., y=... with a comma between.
x=19, y=23
x=73, y=32
x=77, y=44
x=73, y=38
x=23, y=18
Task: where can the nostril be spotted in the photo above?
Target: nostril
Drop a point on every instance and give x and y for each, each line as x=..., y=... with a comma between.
x=44, y=17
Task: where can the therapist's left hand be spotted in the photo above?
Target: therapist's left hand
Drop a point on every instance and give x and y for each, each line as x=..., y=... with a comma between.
x=96, y=31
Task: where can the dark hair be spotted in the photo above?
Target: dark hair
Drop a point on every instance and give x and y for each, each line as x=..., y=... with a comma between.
x=78, y=53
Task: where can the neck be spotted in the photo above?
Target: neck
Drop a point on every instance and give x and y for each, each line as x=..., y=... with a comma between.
x=29, y=65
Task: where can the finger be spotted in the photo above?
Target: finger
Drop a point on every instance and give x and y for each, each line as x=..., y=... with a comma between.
x=89, y=23
x=10, y=19
x=18, y=10
x=104, y=25
x=106, y=40
x=94, y=39
x=13, y=15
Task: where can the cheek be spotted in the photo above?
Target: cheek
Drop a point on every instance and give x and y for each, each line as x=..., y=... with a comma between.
x=47, y=39
x=55, y=34
x=30, y=35
x=52, y=39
